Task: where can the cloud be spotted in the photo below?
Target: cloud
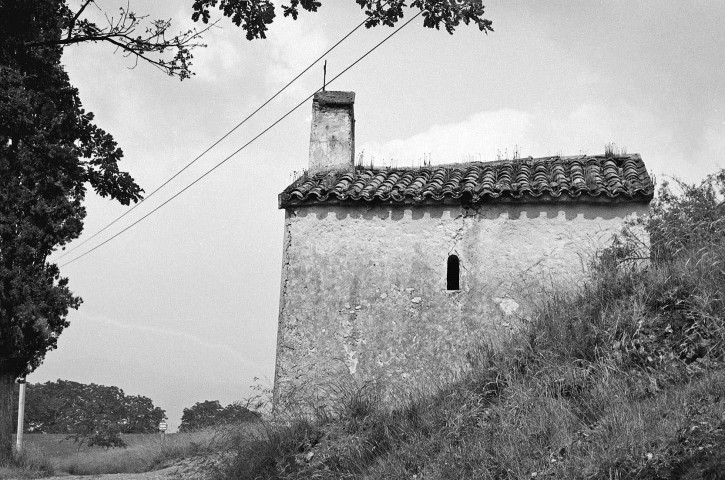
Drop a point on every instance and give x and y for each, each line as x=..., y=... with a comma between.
x=486, y=135
x=477, y=137
x=223, y=57
x=293, y=46
x=290, y=46
x=182, y=338
x=585, y=129
x=713, y=146
x=103, y=336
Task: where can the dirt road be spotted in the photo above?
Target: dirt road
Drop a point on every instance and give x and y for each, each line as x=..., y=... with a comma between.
x=170, y=473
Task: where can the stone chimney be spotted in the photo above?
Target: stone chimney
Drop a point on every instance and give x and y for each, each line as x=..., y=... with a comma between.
x=332, y=137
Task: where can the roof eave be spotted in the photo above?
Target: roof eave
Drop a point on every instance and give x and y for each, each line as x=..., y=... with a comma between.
x=640, y=197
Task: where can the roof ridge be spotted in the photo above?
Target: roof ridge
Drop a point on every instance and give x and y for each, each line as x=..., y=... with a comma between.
x=620, y=157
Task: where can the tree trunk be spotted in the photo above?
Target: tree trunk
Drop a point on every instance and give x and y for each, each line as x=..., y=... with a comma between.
x=7, y=390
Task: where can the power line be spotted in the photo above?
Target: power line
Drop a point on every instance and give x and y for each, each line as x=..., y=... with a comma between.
x=243, y=146
x=133, y=207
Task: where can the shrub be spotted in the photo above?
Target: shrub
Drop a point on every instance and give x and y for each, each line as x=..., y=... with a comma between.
x=691, y=220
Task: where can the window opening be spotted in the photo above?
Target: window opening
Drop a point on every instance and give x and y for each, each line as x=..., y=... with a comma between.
x=454, y=272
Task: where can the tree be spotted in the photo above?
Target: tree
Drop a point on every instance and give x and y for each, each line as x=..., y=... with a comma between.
x=91, y=414
x=202, y=414
x=210, y=413
x=51, y=151
x=173, y=54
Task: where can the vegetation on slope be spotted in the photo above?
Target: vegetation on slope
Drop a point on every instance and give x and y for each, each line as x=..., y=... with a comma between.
x=621, y=379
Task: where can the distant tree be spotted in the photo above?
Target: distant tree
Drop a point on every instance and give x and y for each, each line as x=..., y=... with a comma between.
x=202, y=414
x=210, y=413
x=238, y=413
x=89, y=413
x=141, y=416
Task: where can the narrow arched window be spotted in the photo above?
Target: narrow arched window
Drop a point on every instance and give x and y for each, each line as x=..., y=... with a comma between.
x=454, y=273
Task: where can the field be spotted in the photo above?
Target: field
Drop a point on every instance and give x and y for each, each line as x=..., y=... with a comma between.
x=57, y=446
x=52, y=454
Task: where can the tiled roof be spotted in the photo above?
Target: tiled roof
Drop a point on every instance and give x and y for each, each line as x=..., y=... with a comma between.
x=622, y=178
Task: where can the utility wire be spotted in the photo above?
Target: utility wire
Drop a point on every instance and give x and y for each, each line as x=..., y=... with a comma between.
x=243, y=146
x=133, y=207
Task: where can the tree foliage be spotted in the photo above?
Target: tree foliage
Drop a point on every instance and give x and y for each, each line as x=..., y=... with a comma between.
x=255, y=16
x=50, y=151
x=210, y=413
x=152, y=41
x=88, y=413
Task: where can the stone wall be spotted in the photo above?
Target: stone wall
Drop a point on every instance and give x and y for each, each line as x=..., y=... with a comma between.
x=364, y=296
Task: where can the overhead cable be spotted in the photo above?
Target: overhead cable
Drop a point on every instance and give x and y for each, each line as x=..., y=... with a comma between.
x=222, y=162
x=133, y=207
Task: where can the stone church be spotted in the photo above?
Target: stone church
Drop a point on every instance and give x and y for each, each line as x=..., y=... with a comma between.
x=395, y=274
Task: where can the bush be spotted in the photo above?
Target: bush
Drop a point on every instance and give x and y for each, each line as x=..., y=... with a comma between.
x=691, y=220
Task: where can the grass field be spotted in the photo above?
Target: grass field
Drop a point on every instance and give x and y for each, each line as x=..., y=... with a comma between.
x=57, y=446
x=46, y=454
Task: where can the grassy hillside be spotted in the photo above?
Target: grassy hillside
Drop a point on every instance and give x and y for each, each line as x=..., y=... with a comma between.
x=621, y=379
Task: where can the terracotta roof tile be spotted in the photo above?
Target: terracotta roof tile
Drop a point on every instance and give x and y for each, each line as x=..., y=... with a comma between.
x=583, y=178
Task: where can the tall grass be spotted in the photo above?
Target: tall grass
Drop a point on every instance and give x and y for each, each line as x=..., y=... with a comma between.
x=32, y=462
x=151, y=453
x=623, y=378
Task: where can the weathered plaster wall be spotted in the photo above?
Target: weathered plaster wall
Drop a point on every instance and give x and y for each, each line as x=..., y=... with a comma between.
x=364, y=288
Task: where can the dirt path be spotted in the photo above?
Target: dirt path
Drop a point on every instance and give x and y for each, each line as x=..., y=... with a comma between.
x=170, y=473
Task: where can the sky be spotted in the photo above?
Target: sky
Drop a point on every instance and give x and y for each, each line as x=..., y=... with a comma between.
x=183, y=307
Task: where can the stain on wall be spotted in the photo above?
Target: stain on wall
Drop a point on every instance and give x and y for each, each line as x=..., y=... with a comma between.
x=363, y=293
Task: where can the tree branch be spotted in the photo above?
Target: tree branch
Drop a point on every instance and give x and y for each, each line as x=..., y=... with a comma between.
x=77, y=15
x=120, y=33
x=254, y=16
